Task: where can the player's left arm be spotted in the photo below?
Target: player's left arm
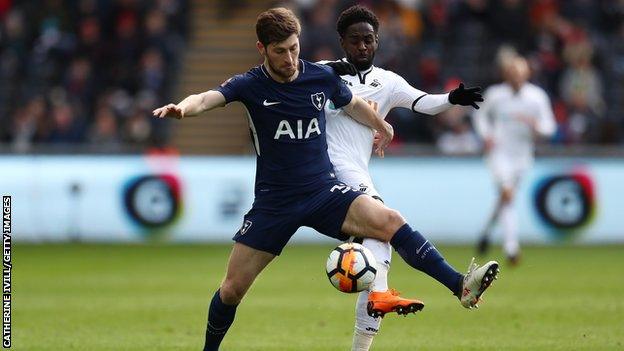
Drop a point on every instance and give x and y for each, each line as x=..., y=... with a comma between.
x=405, y=95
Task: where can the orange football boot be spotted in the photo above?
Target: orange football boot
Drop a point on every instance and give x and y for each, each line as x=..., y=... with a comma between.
x=382, y=302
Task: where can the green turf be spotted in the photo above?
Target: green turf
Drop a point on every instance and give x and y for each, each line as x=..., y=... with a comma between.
x=154, y=297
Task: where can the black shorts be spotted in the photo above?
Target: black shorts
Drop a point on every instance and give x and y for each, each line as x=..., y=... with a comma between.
x=275, y=217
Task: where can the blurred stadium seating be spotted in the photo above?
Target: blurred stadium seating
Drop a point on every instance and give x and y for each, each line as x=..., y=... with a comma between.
x=83, y=75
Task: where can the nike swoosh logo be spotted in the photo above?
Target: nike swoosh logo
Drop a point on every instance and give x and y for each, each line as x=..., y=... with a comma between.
x=266, y=103
x=421, y=247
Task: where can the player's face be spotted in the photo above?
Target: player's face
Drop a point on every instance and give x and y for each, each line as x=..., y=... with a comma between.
x=517, y=72
x=360, y=44
x=282, y=57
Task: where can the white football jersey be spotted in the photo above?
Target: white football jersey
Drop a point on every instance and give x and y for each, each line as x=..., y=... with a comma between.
x=501, y=118
x=350, y=143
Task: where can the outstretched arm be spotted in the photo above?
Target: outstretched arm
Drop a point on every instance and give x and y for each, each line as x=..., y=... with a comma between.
x=362, y=112
x=192, y=105
x=404, y=95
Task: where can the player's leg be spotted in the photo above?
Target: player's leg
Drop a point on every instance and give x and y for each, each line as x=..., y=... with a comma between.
x=509, y=222
x=369, y=218
x=501, y=168
x=483, y=244
x=244, y=265
x=367, y=326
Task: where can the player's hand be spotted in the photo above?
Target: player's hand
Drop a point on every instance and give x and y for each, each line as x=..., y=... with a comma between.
x=171, y=110
x=342, y=68
x=466, y=96
x=382, y=139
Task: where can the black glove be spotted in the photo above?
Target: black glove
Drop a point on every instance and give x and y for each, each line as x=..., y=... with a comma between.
x=342, y=68
x=465, y=96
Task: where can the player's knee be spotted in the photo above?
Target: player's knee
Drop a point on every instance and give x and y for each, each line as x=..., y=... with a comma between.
x=231, y=294
x=386, y=223
x=394, y=221
x=507, y=195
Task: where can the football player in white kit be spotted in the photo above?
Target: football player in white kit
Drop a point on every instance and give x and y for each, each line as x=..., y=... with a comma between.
x=350, y=144
x=513, y=114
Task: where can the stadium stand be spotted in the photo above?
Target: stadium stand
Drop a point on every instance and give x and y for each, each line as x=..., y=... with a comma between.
x=86, y=73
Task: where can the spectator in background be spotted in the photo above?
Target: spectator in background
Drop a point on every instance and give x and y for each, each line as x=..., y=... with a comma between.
x=104, y=131
x=66, y=126
x=581, y=90
x=455, y=135
x=458, y=138
x=71, y=56
x=511, y=115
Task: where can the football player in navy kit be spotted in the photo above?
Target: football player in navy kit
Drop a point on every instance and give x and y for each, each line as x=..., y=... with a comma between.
x=295, y=182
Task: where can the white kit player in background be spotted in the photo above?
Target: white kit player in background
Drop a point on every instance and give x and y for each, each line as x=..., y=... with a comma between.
x=350, y=144
x=514, y=113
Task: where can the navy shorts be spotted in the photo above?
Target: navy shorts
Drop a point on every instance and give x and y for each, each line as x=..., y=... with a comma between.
x=276, y=216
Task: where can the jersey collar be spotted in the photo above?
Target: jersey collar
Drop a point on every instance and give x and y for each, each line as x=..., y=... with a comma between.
x=361, y=74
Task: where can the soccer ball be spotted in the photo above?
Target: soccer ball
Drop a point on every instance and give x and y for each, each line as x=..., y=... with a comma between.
x=351, y=267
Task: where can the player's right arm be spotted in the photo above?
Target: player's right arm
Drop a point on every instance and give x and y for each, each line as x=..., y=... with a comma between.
x=192, y=105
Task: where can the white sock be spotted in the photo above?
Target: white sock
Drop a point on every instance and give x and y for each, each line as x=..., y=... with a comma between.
x=510, y=229
x=383, y=255
x=366, y=327
x=362, y=341
x=363, y=322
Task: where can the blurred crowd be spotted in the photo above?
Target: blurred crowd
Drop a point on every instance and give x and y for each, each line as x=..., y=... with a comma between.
x=90, y=71
x=575, y=49
x=87, y=71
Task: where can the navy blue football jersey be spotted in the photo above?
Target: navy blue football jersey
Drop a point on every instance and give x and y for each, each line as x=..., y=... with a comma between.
x=287, y=122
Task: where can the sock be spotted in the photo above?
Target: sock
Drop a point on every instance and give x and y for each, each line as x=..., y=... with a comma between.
x=361, y=341
x=510, y=230
x=419, y=253
x=220, y=318
x=366, y=327
x=383, y=255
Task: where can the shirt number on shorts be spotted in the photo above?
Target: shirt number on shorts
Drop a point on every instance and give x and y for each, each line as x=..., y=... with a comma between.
x=342, y=188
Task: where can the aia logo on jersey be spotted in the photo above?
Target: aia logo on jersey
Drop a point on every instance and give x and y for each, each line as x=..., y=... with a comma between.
x=298, y=130
x=375, y=83
x=318, y=100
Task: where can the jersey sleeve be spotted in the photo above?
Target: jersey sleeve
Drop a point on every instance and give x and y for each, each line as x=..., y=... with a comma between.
x=405, y=95
x=342, y=95
x=232, y=88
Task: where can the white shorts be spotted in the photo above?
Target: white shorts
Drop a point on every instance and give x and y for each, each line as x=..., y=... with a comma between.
x=358, y=180
x=507, y=170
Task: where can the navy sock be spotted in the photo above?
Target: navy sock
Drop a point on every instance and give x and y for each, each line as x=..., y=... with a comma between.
x=220, y=317
x=419, y=253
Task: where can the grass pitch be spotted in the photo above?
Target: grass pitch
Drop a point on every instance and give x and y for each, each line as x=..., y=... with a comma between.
x=155, y=297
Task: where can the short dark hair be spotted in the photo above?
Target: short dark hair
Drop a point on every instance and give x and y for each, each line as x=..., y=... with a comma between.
x=356, y=14
x=276, y=24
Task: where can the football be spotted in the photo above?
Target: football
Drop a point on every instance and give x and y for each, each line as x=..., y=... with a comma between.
x=351, y=267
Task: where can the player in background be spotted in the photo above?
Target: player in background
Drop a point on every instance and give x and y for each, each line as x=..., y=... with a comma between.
x=514, y=113
x=295, y=181
x=351, y=143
